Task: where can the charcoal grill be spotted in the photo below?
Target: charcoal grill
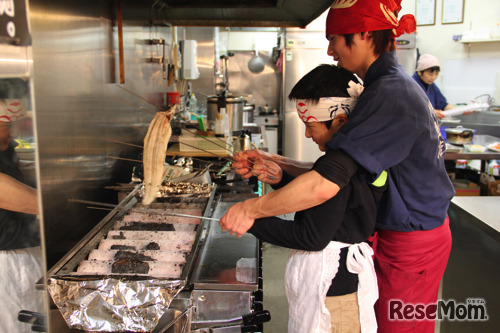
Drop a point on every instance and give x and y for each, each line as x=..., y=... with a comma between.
x=219, y=283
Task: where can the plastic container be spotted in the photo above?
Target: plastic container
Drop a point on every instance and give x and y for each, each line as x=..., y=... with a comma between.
x=461, y=164
x=173, y=97
x=494, y=168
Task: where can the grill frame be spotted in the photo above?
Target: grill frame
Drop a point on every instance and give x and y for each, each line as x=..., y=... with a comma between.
x=68, y=264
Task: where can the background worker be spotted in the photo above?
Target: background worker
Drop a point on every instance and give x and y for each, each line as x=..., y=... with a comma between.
x=428, y=69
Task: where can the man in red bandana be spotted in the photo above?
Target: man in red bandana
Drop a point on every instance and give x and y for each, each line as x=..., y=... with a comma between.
x=395, y=128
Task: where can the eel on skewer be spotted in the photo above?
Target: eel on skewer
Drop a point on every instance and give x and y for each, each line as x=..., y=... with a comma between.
x=155, y=151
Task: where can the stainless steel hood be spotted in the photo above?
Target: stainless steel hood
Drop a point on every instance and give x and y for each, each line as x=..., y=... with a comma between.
x=235, y=13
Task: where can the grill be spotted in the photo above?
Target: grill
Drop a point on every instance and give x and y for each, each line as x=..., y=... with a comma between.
x=148, y=271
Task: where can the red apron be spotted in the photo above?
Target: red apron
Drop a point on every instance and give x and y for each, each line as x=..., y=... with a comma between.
x=409, y=267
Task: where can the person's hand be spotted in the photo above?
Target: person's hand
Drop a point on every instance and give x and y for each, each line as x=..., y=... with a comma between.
x=267, y=171
x=244, y=161
x=238, y=218
x=469, y=112
x=439, y=114
x=242, y=165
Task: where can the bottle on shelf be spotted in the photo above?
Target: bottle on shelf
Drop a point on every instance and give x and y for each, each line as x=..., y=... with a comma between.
x=225, y=116
x=219, y=126
x=193, y=104
x=493, y=168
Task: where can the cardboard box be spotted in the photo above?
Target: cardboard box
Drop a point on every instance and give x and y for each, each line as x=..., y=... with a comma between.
x=494, y=188
x=464, y=187
x=489, y=185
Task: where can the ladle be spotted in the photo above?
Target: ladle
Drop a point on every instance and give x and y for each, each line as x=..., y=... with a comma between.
x=256, y=64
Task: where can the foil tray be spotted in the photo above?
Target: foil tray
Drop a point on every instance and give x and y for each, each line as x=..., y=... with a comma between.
x=112, y=304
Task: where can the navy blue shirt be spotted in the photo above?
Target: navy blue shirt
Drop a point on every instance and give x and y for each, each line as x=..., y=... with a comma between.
x=437, y=99
x=394, y=127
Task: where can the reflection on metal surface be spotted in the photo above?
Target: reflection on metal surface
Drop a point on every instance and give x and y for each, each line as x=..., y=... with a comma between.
x=20, y=233
x=81, y=109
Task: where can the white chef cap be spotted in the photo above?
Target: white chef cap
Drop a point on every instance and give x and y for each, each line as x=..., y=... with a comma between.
x=427, y=61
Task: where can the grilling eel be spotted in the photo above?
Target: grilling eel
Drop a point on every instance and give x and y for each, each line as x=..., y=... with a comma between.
x=155, y=151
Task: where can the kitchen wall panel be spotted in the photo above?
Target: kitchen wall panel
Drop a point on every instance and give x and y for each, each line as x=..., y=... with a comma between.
x=83, y=111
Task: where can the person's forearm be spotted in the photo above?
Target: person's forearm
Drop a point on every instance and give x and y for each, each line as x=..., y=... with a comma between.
x=449, y=107
x=305, y=191
x=292, y=166
x=16, y=196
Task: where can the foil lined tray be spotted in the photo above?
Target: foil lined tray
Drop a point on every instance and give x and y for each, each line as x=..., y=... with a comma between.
x=113, y=304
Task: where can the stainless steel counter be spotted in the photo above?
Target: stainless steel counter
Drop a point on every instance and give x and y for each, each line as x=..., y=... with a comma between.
x=473, y=270
x=223, y=256
x=485, y=210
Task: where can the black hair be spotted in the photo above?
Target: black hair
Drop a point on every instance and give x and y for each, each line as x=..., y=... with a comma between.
x=382, y=39
x=323, y=81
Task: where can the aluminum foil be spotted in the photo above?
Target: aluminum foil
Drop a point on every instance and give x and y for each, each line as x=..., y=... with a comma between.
x=113, y=304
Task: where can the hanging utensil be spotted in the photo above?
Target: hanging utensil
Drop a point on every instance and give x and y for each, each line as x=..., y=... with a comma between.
x=170, y=68
x=119, y=23
x=256, y=64
x=163, y=64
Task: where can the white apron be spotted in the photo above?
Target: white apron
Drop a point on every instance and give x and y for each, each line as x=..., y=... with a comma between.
x=19, y=271
x=308, y=277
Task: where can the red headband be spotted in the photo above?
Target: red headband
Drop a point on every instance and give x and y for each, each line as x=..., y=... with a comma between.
x=352, y=16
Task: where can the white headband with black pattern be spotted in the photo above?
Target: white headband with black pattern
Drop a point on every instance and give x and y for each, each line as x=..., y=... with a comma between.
x=328, y=108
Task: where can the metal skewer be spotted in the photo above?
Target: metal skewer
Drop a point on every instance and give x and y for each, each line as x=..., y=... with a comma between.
x=136, y=106
x=133, y=145
x=139, y=96
x=138, y=161
x=199, y=129
x=270, y=176
x=123, y=158
x=138, y=210
x=207, y=139
x=231, y=151
x=140, y=108
x=126, y=143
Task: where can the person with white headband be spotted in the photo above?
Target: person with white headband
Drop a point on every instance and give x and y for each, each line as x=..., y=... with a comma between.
x=330, y=278
x=20, y=251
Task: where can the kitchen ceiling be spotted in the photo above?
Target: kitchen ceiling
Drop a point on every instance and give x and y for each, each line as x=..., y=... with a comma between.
x=238, y=13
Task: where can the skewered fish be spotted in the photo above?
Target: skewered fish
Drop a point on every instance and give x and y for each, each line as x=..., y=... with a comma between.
x=155, y=151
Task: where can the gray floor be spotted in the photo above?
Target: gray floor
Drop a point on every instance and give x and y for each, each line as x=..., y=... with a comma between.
x=273, y=271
